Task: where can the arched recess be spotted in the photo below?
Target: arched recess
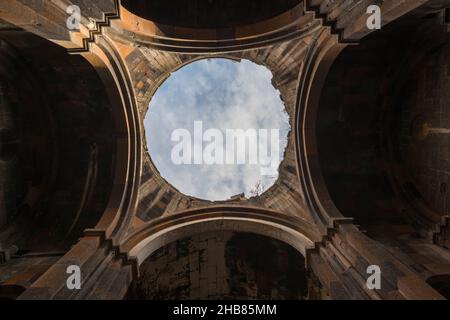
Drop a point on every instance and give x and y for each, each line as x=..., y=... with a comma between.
x=406, y=245
x=87, y=40
x=104, y=56
x=322, y=53
x=252, y=24
x=146, y=240
x=223, y=265
x=60, y=162
x=318, y=74
x=69, y=151
x=356, y=91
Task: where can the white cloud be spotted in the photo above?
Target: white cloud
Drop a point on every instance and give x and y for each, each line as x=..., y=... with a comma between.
x=224, y=95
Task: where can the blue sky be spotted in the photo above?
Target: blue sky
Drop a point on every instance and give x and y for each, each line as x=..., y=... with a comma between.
x=223, y=94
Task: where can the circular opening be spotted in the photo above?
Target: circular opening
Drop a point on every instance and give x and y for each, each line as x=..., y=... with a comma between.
x=217, y=129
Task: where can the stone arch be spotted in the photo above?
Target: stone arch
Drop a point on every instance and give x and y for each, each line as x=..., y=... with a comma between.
x=62, y=164
x=296, y=233
x=91, y=44
x=322, y=57
x=319, y=68
x=289, y=20
x=106, y=74
x=223, y=265
x=145, y=240
x=319, y=60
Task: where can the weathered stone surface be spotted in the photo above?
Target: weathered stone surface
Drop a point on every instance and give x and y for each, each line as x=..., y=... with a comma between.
x=369, y=142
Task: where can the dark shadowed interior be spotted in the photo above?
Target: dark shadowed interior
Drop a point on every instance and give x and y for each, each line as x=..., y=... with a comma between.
x=223, y=265
x=382, y=130
x=57, y=151
x=220, y=13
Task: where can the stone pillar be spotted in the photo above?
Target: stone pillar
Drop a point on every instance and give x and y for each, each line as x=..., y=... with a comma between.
x=104, y=274
x=341, y=262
